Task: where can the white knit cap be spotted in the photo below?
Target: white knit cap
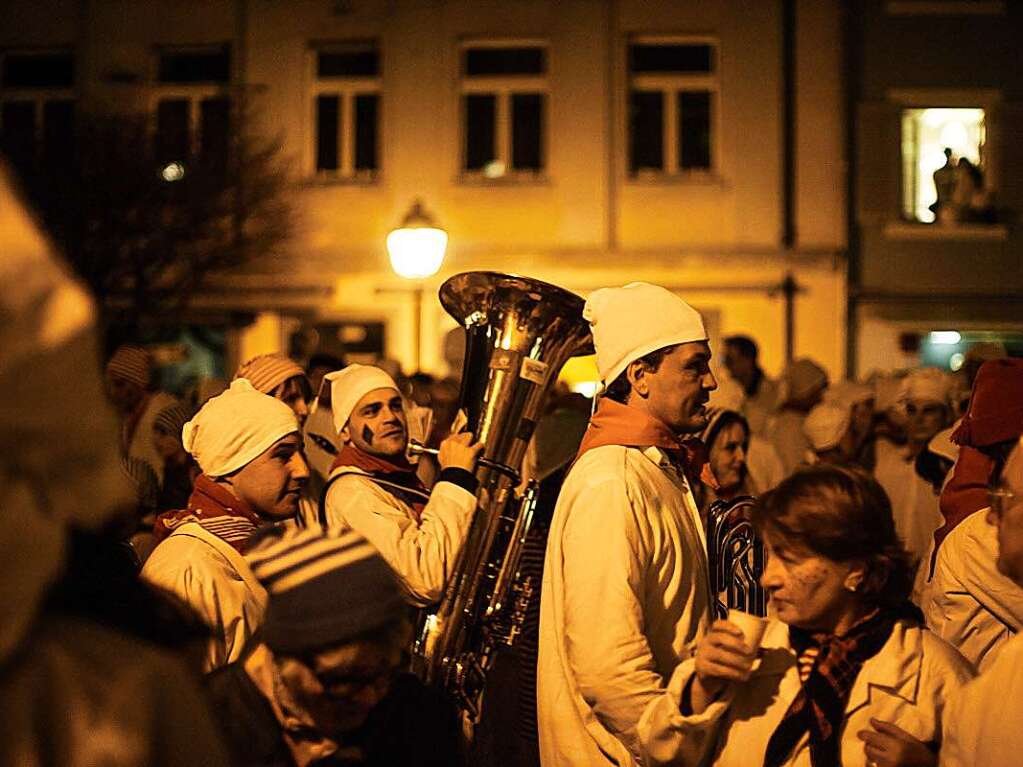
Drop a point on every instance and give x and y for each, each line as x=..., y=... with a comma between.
x=848, y=393
x=350, y=385
x=926, y=385
x=630, y=322
x=235, y=427
x=826, y=424
x=940, y=443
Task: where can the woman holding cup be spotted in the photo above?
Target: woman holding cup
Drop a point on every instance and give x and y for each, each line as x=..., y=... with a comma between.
x=845, y=673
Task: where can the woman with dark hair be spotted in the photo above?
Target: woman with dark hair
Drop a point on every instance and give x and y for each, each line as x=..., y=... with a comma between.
x=727, y=438
x=846, y=674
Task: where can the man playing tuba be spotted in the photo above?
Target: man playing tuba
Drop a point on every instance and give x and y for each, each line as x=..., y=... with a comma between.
x=373, y=489
x=625, y=588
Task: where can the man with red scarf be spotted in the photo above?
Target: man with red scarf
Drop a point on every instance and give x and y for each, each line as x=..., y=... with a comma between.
x=373, y=489
x=249, y=448
x=626, y=590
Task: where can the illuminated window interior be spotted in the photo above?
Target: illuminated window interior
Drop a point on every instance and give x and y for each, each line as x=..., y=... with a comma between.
x=925, y=135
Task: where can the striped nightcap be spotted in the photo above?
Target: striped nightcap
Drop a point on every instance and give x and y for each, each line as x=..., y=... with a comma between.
x=268, y=371
x=132, y=363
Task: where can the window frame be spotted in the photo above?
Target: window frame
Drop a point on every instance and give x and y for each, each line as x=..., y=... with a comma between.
x=987, y=99
x=40, y=96
x=669, y=85
x=503, y=88
x=193, y=93
x=346, y=88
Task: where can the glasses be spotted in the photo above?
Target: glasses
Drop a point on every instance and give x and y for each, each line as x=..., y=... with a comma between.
x=999, y=500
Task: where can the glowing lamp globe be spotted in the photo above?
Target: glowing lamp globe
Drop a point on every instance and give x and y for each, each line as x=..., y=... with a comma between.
x=417, y=247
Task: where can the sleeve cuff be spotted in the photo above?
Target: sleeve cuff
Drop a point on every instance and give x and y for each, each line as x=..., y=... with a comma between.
x=460, y=477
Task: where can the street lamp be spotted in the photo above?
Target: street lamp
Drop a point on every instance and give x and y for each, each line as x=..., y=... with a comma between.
x=417, y=250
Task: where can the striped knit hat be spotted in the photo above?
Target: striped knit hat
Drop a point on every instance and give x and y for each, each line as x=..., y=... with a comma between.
x=172, y=419
x=323, y=589
x=268, y=371
x=132, y=363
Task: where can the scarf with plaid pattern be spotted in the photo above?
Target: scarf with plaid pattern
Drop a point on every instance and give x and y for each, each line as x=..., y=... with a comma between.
x=819, y=709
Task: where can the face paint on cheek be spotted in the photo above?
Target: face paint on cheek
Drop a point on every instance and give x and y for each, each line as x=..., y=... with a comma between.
x=367, y=435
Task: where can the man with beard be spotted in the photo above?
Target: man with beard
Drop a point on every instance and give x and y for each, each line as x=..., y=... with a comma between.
x=249, y=448
x=373, y=489
x=625, y=588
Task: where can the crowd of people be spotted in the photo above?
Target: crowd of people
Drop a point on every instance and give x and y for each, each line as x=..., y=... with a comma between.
x=239, y=582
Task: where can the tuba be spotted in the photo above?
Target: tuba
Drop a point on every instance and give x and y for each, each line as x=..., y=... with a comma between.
x=519, y=334
x=735, y=555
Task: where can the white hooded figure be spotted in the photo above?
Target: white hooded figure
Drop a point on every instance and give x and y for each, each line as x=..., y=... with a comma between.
x=249, y=448
x=923, y=398
x=74, y=691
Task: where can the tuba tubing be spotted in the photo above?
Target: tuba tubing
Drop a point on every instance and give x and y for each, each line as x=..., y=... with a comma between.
x=736, y=558
x=519, y=333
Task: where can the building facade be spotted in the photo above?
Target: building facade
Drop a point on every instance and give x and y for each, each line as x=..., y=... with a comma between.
x=587, y=143
x=929, y=279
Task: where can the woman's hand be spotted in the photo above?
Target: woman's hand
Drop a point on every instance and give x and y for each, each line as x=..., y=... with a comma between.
x=459, y=451
x=722, y=656
x=890, y=746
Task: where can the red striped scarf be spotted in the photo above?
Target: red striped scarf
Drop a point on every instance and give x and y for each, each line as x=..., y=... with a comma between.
x=213, y=507
x=398, y=474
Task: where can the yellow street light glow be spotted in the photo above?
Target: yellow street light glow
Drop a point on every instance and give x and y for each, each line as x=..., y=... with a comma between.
x=417, y=248
x=417, y=253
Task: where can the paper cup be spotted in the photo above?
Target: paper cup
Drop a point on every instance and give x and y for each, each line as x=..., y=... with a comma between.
x=752, y=626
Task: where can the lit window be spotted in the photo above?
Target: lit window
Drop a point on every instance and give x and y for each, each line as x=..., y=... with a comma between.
x=504, y=104
x=346, y=110
x=672, y=105
x=943, y=162
x=37, y=108
x=193, y=108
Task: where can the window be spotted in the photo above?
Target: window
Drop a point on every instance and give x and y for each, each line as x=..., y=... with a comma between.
x=943, y=166
x=193, y=109
x=346, y=110
x=672, y=106
x=37, y=108
x=945, y=7
x=504, y=105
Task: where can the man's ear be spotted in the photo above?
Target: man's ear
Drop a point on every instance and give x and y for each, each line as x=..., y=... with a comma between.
x=854, y=578
x=636, y=375
x=345, y=435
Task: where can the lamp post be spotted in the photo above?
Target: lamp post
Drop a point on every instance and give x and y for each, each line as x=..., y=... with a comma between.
x=417, y=250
